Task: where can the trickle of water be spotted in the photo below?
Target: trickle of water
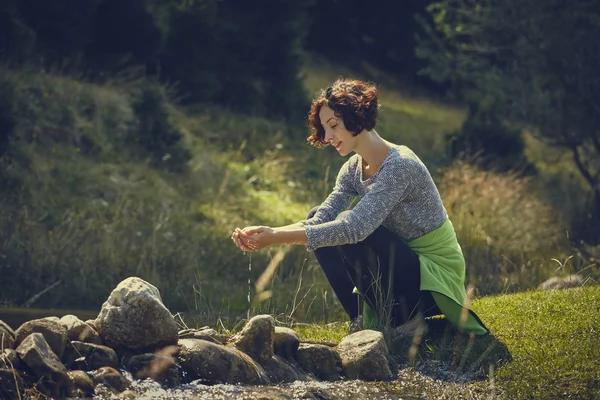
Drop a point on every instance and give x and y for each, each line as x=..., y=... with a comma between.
x=249, y=287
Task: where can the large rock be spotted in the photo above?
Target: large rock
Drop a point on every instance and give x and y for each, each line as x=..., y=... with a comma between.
x=561, y=282
x=257, y=338
x=213, y=363
x=9, y=359
x=134, y=317
x=320, y=360
x=7, y=336
x=77, y=330
x=54, y=333
x=286, y=342
x=41, y=360
x=364, y=356
x=89, y=356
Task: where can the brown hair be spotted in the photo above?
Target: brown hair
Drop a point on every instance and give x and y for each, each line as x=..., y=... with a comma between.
x=353, y=100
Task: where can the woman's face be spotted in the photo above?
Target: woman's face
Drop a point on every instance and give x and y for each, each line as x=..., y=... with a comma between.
x=335, y=131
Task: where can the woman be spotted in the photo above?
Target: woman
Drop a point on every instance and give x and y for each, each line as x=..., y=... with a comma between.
x=396, y=246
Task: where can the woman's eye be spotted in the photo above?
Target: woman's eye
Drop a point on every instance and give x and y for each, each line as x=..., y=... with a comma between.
x=333, y=126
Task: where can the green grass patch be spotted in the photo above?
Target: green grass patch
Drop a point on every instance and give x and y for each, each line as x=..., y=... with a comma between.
x=544, y=345
x=553, y=339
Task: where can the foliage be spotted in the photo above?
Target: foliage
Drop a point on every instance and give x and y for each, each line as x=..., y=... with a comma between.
x=489, y=142
x=219, y=52
x=155, y=130
x=515, y=54
x=359, y=34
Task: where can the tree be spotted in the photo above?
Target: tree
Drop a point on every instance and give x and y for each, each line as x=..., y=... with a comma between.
x=537, y=61
x=379, y=32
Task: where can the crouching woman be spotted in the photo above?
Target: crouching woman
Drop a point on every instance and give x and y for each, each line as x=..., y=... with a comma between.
x=396, y=245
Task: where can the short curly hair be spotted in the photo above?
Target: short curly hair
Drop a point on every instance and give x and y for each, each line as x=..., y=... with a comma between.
x=353, y=100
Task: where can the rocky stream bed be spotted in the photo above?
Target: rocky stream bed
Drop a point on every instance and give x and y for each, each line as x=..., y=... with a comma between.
x=135, y=349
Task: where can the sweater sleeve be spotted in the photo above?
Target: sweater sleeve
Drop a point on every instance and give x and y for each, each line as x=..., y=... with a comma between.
x=338, y=200
x=390, y=186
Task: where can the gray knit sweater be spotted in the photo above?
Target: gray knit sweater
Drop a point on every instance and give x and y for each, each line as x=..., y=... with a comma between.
x=400, y=195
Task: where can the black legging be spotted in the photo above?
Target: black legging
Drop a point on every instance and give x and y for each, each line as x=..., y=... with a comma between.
x=385, y=271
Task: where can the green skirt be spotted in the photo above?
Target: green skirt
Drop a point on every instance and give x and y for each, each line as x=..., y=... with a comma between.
x=443, y=274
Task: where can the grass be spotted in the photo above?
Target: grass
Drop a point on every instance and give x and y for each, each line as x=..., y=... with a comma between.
x=553, y=339
x=544, y=345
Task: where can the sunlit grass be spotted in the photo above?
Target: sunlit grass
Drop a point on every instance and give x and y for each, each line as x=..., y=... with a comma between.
x=553, y=339
x=544, y=344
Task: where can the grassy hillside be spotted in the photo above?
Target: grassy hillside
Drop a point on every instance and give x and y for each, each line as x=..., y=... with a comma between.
x=101, y=182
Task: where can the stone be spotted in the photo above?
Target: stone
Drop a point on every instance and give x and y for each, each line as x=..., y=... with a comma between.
x=44, y=364
x=320, y=360
x=89, y=356
x=212, y=364
x=286, y=342
x=77, y=330
x=561, y=282
x=365, y=356
x=134, y=317
x=159, y=367
x=92, y=324
x=257, y=338
x=280, y=370
x=111, y=378
x=81, y=384
x=54, y=333
x=7, y=336
x=128, y=394
x=10, y=359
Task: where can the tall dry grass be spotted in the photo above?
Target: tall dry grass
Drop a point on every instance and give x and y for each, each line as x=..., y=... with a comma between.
x=508, y=233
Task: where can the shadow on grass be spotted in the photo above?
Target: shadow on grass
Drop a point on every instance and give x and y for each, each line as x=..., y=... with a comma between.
x=444, y=353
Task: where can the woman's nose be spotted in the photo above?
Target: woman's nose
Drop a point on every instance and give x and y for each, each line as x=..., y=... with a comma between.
x=328, y=135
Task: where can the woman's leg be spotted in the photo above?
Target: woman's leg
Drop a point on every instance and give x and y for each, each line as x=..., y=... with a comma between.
x=387, y=273
x=332, y=264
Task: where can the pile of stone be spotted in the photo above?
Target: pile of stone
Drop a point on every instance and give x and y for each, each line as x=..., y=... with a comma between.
x=136, y=337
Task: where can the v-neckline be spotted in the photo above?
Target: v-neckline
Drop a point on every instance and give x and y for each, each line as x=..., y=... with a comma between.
x=361, y=169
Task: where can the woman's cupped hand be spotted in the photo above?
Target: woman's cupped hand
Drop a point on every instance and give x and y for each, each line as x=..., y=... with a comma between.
x=253, y=238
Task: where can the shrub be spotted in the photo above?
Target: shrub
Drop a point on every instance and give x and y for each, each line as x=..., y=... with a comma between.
x=155, y=130
x=489, y=141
